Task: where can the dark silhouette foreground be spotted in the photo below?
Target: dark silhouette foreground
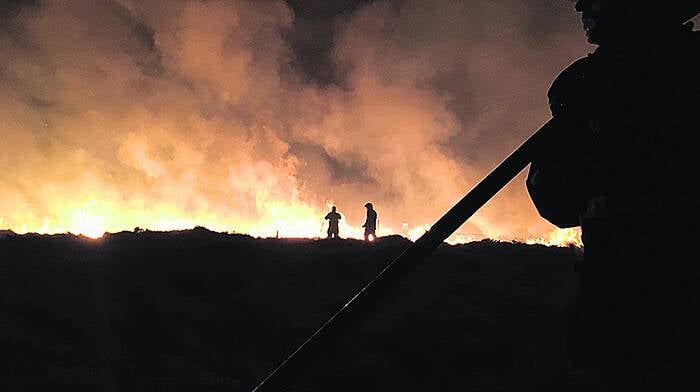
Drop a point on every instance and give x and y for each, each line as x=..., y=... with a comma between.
x=622, y=166
x=202, y=311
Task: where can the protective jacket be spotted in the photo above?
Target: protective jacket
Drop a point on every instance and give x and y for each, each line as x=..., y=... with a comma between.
x=333, y=219
x=629, y=143
x=370, y=221
x=623, y=166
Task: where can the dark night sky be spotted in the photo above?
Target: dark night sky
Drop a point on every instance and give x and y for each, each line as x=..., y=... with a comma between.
x=312, y=35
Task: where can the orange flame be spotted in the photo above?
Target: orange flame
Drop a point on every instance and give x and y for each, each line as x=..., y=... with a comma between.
x=277, y=218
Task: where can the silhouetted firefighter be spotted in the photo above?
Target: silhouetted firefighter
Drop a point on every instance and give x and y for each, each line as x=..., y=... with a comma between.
x=333, y=219
x=621, y=165
x=370, y=224
x=618, y=158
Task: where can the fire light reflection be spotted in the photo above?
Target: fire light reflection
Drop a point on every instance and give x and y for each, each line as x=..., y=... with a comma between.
x=276, y=219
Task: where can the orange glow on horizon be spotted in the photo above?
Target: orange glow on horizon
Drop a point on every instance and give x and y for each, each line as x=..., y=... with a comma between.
x=280, y=219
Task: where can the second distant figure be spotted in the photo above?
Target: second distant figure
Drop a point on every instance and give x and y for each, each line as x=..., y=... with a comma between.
x=333, y=218
x=370, y=222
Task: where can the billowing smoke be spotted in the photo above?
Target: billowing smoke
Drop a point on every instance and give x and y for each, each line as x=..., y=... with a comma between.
x=164, y=115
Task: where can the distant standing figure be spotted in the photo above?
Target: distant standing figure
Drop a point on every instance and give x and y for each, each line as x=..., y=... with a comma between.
x=333, y=218
x=370, y=222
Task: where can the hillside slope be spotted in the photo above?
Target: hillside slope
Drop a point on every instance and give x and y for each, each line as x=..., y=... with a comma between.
x=197, y=310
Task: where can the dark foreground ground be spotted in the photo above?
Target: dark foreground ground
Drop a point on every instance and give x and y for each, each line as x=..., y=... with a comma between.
x=203, y=311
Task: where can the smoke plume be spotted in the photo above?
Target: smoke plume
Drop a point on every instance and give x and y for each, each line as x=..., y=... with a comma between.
x=166, y=115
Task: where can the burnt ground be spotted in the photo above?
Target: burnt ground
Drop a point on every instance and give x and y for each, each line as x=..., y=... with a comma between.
x=202, y=311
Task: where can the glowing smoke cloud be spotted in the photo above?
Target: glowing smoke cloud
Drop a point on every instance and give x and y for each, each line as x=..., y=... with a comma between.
x=166, y=115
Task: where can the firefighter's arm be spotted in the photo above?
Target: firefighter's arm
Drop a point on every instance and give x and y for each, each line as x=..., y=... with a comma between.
x=557, y=178
x=555, y=193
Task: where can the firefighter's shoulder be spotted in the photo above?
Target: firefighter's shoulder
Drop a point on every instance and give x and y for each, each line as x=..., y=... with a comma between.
x=569, y=83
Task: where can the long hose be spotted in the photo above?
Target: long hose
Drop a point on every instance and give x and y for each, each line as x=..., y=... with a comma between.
x=363, y=302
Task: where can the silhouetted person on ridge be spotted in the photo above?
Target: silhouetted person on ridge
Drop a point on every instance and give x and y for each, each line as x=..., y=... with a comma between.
x=370, y=222
x=622, y=166
x=333, y=218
